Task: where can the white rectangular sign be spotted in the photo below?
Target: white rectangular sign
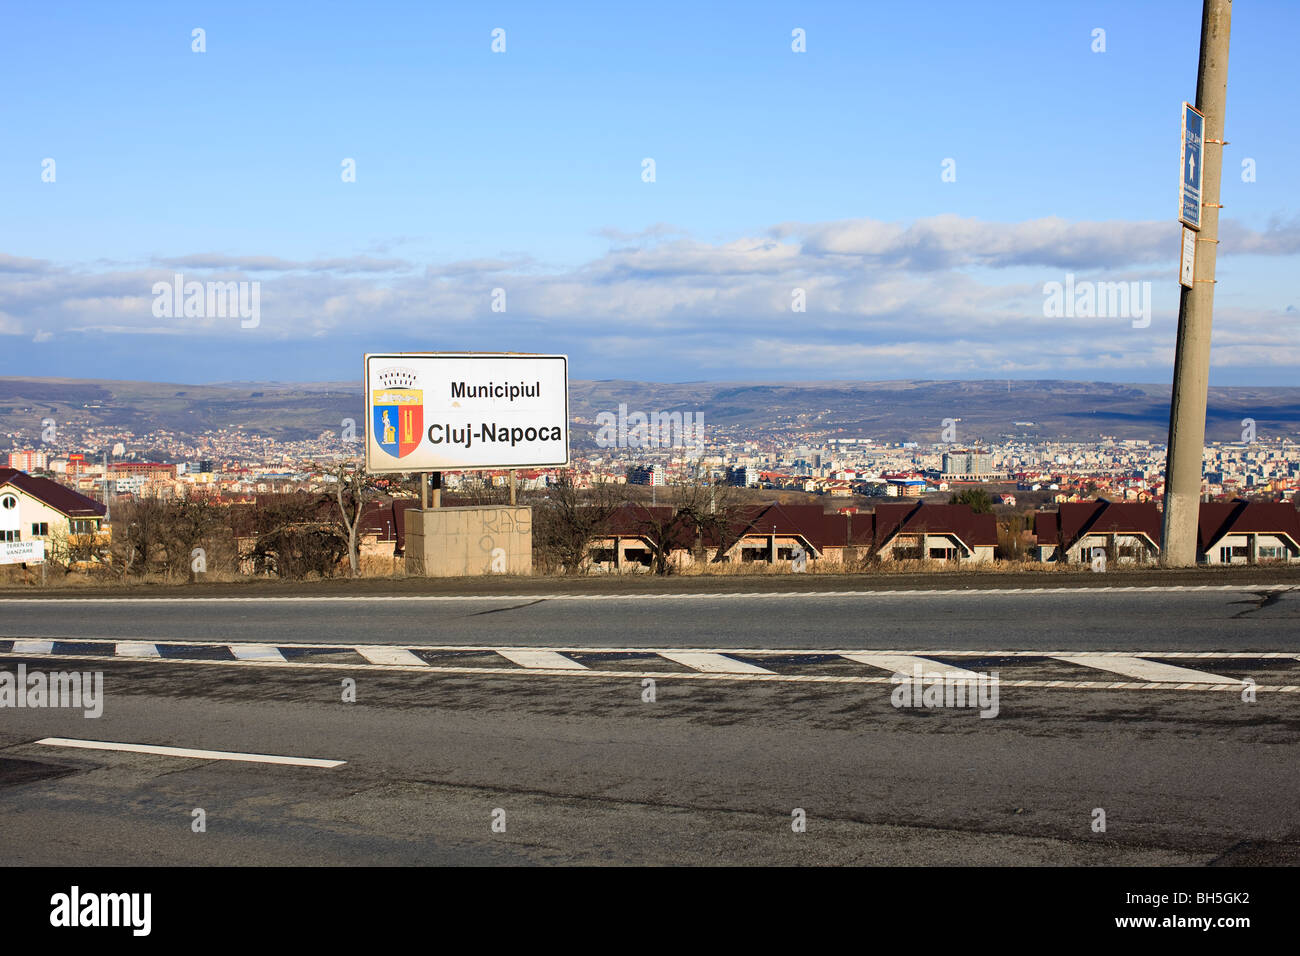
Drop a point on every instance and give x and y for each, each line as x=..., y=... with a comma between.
x=455, y=411
x=22, y=552
x=1187, y=263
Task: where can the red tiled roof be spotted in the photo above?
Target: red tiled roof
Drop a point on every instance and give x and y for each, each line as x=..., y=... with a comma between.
x=1080, y=518
x=972, y=529
x=61, y=499
x=1219, y=518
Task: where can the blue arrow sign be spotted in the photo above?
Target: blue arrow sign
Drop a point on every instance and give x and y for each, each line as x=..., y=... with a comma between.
x=1193, y=141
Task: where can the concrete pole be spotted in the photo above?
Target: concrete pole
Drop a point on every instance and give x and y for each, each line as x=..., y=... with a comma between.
x=1186, y=447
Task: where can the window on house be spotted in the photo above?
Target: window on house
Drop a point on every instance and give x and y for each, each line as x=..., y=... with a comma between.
x=11, y=535
x=40, y=529
x=8, y=502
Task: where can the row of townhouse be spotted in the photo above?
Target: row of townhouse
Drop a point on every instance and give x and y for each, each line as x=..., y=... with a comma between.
x=1235, y=532
x=779, y=533
x=1228, y=532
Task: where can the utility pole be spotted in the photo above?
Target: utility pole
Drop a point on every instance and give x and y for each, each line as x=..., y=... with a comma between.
x=1186, y=447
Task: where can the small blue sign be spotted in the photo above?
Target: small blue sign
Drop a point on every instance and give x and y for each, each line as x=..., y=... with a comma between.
x=1193, y=140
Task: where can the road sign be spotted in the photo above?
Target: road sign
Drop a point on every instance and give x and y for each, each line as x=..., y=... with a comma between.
x=22, y=552
x=463, y=411
x=1193, y=140
x=1187, y=263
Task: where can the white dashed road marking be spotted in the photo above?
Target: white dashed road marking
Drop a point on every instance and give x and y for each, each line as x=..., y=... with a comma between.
x=186, y=752
x=1147, y=670
x=256, y=652
x=33, y=647
x=906, y=664
x=531, y=658
x=390, y=655
x=712, y=663
x=136, y=649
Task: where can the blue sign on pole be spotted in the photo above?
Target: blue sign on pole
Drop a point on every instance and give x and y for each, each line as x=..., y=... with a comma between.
x=1193, y=140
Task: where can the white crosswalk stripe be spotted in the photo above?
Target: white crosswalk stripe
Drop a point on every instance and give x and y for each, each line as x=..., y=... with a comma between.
x=907, y=663
x=549, y=659
x=1147, y=670
x=33, y=647
x=256, y=652
x=712, y=663
x=390, y=655
x=136, y=649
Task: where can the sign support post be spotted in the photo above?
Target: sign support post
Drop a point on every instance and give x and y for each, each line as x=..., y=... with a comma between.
x=1185, y=450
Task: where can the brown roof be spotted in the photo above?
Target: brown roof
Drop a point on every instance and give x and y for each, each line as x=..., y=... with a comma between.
x=972, y=529
x=61, y=499
x=1079, y=518
x=1220, y=518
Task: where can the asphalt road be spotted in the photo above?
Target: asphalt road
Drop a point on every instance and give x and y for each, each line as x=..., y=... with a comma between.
x=1254, y=617
x=586, y=770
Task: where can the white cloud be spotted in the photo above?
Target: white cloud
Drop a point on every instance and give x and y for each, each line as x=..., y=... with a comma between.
x=883, y=299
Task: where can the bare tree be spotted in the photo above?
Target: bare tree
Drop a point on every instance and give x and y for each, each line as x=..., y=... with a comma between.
x=295, y=537
x=567, y=520
x=189, y=523
x=139, y=535
x=350, y=488
x=698, y=505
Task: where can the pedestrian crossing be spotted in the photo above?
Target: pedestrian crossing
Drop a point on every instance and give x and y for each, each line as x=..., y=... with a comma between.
x=1276, y=672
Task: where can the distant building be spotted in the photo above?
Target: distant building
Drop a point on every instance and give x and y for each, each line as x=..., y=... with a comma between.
x=28, y=460
x=969, y=465
x=743, y=476
x=646, y=475
x=152, y=469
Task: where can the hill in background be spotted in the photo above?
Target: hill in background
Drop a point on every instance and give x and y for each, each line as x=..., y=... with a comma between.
x=884, y=411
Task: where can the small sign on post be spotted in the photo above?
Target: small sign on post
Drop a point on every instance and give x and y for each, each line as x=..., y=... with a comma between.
x=1189, y=204
x=22, y=552
x=1187, y=263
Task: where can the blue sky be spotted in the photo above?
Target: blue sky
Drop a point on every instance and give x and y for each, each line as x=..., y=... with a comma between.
x=522, y=171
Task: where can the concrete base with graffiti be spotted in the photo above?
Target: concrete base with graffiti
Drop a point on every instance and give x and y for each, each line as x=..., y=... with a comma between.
x=470, y=541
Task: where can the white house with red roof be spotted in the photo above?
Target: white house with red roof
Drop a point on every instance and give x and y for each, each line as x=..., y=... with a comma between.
x=35, y=508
